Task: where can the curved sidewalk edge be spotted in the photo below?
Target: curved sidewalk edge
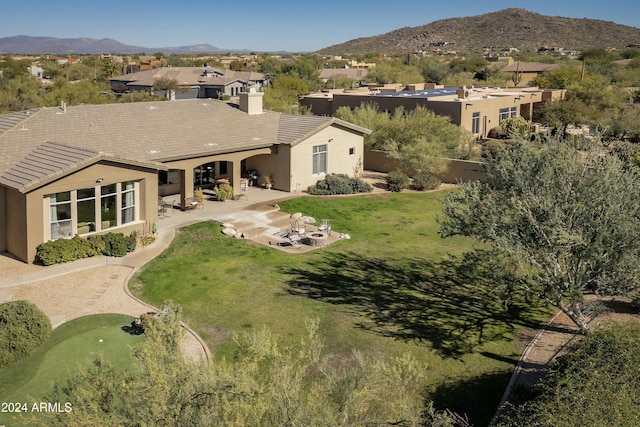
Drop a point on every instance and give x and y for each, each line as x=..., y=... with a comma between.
x=162, y=243
x=518, y=370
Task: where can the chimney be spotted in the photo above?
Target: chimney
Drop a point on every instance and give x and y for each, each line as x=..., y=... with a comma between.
x=251, y=102
x=462, y=92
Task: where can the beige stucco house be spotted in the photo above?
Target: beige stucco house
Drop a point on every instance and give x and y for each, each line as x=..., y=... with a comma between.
x=99, y=168
x=477, y=109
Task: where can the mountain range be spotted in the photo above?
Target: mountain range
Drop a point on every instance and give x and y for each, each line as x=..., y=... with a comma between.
x=518, y=28
x=70, y=46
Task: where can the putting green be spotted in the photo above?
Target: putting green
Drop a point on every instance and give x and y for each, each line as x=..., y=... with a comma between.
x=78, y=341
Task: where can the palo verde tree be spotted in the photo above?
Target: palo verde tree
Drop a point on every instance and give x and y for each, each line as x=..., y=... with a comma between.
x=569, y=219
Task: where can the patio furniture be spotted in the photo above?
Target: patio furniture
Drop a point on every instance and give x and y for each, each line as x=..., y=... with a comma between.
x=325, y=225
x=298, y=227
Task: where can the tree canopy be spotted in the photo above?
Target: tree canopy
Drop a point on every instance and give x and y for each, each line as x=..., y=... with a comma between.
x=418, y=138
x=570, y=219
x=597, y=384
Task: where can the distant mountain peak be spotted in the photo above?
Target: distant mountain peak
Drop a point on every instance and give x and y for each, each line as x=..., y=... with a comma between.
x=39, y=45
x=512, y=27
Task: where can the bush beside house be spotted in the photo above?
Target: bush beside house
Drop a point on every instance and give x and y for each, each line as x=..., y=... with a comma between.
x=339, y=184
x=65, y=250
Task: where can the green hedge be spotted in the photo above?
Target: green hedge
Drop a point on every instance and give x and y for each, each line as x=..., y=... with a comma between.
x=23, y=328
x=425, y=182
x=65, y=250
x=397, y=181
x=339, y=184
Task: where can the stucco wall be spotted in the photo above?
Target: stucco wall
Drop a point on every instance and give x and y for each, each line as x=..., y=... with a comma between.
x=458, y=171
x=16, y=221
x=338, y=141
x=31, y=212
x=460, y=111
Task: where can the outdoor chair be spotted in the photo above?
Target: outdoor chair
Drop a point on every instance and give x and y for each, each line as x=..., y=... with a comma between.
x=325, y=225
x=298, y=228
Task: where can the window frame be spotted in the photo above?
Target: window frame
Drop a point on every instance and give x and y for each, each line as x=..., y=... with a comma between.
x=319, y=159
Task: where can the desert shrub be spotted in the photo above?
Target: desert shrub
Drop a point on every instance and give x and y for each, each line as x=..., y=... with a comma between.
x=223, y=192
x=65, y=250
x=115, y=244
x=132, y=241
x=339, y=184
x=97, y=243
x=23, y=328
x=397, y=181
x=57, y=251
x=425, y=182
x=147, y=239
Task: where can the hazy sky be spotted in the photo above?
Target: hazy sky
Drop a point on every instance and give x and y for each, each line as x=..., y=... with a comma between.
x=267, y=25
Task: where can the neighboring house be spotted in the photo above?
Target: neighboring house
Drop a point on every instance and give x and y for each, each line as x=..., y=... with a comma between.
x=524, y=73
x=36, y=71
x=475, y=109
x=193, y=82
x=98, y=168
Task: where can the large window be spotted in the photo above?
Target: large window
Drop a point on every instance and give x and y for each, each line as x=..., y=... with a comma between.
x=108, y=200
x=86, y=210
x=320, y=159
x=60, y=215
x=128, y=202
x=475, y=122
x=504, y=114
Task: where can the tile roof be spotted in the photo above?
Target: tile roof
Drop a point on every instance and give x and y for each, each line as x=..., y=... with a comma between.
x=8, y=121
x=52, y=160
x=143, y=133
x=187, y=76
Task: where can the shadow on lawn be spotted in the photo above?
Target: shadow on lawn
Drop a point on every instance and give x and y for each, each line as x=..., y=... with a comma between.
x=475, y=398
x=455, y=303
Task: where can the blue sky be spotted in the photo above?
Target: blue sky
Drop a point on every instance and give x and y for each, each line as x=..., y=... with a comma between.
x=266, y=25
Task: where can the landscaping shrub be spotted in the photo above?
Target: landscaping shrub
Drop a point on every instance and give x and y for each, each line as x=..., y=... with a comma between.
x=97, y=243
x=115, y=244
x=23, y=328
x=339, y=184
x=223, y=192
x=57, y=251
x=132, y=241
x=65, y=250
x=397, y=181
x=425, y=182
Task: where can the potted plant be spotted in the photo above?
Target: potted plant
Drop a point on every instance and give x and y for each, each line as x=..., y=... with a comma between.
x=199, y=195
x=268, y=182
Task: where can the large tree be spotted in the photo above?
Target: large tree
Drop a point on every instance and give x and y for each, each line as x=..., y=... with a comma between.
x=569, y=219
x=418, y=138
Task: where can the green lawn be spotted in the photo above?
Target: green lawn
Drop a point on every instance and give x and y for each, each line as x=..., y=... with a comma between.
x=390, y=289
x=74, y=342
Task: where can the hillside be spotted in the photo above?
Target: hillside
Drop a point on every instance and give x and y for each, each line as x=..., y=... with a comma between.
x=518, y=28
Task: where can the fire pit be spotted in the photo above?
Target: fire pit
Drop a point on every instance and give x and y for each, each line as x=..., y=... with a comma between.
x=317, y=238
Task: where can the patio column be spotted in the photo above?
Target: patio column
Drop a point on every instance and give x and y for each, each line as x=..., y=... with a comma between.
x=186, y=185
x=236, y=169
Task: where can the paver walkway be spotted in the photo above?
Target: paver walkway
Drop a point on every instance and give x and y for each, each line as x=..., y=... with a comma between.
x=99, y=284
